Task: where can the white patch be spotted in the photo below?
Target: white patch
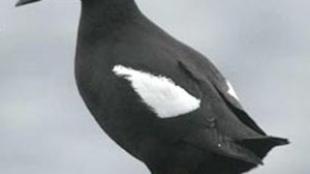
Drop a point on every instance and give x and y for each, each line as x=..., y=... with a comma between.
x=231, y=91
x=161, y=94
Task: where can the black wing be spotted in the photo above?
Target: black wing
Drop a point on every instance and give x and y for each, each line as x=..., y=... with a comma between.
x=211, y=74
x=215, y=138
x=250, y=147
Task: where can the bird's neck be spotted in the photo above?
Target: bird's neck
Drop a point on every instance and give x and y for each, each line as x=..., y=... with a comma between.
x=101, y=22
x=108, y=14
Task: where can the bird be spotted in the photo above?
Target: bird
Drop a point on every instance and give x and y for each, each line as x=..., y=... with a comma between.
x=162, y=101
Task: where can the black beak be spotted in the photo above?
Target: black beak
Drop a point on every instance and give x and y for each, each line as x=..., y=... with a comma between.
x=24, y=2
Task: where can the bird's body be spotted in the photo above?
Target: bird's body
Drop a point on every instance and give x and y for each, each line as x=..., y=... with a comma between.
x=159, y=99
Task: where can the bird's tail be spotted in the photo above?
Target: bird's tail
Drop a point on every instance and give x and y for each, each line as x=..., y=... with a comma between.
x=261, y=146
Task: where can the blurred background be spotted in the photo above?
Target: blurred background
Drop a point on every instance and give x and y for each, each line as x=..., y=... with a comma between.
x=263, y=47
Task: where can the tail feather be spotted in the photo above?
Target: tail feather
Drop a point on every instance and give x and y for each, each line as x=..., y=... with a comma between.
x=212, y=140
x=261, y=146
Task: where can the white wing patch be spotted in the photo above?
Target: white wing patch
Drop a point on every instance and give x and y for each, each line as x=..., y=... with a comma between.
x=231, y=91
x=161, y=94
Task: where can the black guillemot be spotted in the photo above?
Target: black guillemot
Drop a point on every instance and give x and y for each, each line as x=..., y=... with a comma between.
x=163, y=102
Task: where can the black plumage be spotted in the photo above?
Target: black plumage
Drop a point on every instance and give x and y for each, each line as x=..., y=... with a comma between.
x=217, y=138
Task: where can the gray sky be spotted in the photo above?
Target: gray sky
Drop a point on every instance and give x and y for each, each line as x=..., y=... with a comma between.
x=262, y=46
